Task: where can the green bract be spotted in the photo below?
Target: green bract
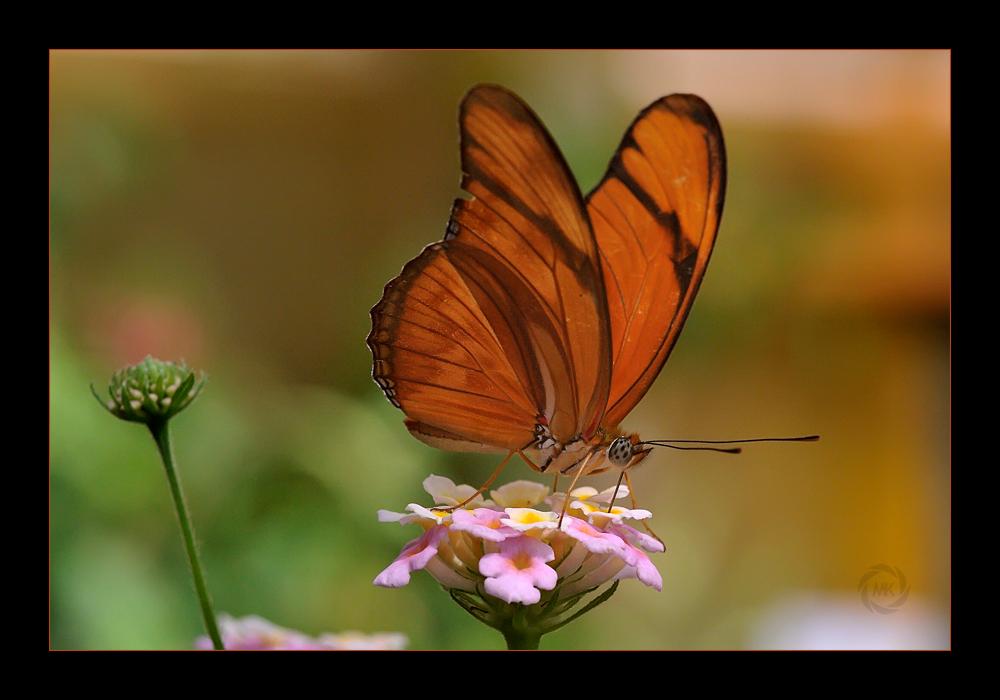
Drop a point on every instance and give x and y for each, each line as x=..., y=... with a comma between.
x=151, y=391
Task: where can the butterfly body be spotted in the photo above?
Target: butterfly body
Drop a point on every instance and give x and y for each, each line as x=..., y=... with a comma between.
x=542, y=317
x=608, y=449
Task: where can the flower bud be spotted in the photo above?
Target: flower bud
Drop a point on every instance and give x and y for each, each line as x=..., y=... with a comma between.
x=152, y=391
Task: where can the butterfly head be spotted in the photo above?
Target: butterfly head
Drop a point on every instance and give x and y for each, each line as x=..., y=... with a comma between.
x=626, y=451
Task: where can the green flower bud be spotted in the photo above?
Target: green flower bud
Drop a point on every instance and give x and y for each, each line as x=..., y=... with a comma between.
x=152, y=391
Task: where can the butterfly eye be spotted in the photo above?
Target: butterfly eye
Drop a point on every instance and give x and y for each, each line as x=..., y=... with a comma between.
x=620, y=451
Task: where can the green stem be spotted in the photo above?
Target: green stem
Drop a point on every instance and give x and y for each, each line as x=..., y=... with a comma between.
x=520, y=638
x=521, y=641
x=161, y=433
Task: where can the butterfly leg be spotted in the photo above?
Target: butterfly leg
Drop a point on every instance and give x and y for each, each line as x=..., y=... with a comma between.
x=576, y=477
x=614, y=496
x=635, y=506
x=529, y=462
x=484, y=487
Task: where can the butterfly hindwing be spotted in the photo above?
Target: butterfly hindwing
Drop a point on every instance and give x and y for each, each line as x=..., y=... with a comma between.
x=435, y=356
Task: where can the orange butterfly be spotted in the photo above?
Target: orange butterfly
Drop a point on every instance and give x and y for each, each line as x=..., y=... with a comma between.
x=543, y=317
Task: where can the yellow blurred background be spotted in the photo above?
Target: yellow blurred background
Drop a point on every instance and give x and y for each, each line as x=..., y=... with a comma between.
x=243, y=210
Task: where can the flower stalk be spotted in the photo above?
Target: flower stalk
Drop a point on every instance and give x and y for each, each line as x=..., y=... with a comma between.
x=152, y=392
x=161, y=434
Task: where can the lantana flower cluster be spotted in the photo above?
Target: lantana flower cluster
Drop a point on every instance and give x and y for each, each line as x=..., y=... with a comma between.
x=510, y=562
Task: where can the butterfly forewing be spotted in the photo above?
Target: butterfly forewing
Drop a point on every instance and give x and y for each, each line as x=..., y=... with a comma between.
x=655, y=215
x=529, y=223
x=502, y=325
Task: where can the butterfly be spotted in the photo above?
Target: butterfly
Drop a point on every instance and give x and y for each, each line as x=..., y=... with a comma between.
x=542, y=318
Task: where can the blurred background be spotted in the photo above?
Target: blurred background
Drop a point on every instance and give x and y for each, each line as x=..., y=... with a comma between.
x=243, y=210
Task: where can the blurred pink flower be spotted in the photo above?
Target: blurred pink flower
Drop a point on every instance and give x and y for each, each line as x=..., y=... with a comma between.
x=253, y=633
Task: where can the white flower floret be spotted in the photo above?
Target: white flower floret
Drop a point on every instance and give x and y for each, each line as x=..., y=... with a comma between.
x=525, y=519
x=520, y=494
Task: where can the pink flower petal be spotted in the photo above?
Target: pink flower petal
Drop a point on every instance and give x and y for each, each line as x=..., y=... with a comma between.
x=592, y=538
x=517, y=572
x=414, y=557
x=483, y=523
x=644, y=569
x=647, y=542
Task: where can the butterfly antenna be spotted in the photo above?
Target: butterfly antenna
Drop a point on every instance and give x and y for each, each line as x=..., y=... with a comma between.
x=700, y=444
x=727, y=450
